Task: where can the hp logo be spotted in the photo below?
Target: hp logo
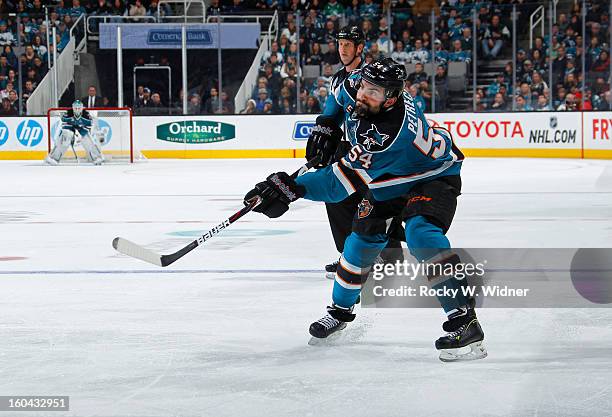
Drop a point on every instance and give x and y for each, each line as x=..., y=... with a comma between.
x=105, y=129
x=29, y=133
x=3, y=133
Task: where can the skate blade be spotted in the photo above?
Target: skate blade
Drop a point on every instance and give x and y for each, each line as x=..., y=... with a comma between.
x=51, y=161
x=330, y=275
x=329, y=340
x=470, y=352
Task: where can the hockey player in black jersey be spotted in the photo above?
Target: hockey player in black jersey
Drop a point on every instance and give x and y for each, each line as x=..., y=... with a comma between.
x=410, y=169
x=350, y=41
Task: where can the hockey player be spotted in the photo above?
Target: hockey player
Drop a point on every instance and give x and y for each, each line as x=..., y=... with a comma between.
x=76, y=120
x=410, y=169
x=350, y=43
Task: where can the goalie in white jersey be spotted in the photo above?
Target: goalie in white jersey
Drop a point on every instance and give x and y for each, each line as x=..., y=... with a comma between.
x=77, y=124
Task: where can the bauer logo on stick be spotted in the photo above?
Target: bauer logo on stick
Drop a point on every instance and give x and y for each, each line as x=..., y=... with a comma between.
x=213, y=231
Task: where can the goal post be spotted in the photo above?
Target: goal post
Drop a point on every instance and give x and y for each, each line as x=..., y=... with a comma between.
x=112, y=128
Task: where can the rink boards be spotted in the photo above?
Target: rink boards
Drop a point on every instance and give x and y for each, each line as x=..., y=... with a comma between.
x=541, y=135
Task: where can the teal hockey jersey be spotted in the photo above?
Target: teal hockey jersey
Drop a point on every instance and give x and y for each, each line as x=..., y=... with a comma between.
x=391, y=151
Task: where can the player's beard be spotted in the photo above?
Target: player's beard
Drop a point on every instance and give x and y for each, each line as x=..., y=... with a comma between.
x=364, y=111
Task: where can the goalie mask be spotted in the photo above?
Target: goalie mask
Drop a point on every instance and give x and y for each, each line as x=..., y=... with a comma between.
x=77, y=108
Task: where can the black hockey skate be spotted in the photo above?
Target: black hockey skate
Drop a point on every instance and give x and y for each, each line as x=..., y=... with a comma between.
x=334, y=321
x=464, y=340
x=330, y=270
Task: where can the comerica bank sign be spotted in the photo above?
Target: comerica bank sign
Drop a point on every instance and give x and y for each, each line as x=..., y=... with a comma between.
x=174, y=37
x=196, y=131
x=169, y=36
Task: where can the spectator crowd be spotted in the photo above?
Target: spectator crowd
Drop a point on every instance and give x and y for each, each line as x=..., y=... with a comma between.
x=563, y=51
x=401, y=29
x=407, y=38
x=27, y=44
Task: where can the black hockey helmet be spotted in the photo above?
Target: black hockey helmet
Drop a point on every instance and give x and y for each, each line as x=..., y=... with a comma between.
x=351, y=33
x=386, y=73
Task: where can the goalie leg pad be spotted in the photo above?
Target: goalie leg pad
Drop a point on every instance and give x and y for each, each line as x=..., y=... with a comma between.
x=60, y=147
x=93, y=151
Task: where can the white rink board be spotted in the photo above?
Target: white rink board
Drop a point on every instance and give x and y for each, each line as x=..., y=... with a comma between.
x=533, y=134
x=23, y=134
x=598, y=131
x=481, y=131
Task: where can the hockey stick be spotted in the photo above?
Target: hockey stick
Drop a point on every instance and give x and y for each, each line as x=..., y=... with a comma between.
x=134, y=250
x=75, y=154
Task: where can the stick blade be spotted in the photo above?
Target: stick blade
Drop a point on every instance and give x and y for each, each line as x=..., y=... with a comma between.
x=167, y=260
x=128, y=248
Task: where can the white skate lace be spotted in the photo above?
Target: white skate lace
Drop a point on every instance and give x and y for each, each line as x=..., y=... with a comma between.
x=328, y=322
x=456, y=333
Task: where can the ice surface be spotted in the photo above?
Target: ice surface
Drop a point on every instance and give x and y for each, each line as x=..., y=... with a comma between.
x=223, y=332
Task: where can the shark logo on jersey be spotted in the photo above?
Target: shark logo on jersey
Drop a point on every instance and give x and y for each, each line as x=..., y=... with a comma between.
x=373, y=138
x=354, y=81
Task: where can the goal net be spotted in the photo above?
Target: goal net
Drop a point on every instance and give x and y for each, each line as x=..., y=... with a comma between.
x=111, y=129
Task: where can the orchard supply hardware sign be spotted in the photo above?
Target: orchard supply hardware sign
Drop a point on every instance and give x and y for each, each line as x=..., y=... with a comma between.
x=196, y=131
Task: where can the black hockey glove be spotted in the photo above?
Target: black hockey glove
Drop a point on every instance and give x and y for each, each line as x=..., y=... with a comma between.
x=324, y=140
x=276, y=192
x=343, y=149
